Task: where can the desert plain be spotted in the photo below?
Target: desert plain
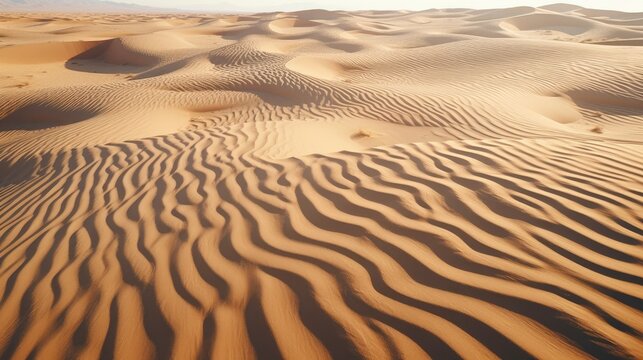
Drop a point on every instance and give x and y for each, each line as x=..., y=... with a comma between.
x=449, y=183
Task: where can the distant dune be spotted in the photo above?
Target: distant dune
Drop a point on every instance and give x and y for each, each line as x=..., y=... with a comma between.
x=322, y=184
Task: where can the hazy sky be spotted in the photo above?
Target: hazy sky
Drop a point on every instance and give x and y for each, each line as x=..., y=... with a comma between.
x=258, y=5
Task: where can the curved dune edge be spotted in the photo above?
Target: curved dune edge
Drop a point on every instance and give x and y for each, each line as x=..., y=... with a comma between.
x=322, y=184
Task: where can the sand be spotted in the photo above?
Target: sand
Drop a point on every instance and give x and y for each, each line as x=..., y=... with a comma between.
x=312, y=185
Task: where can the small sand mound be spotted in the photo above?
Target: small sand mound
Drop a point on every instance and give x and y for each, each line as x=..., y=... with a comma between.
x=120, y=52
x=143, y=50
x=364, y=134
x=560, y=109
x=318, y=67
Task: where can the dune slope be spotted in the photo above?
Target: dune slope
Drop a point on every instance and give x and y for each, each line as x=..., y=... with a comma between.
x=312, y=185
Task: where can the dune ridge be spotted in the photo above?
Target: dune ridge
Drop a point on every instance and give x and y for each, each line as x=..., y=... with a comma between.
x=322, y=184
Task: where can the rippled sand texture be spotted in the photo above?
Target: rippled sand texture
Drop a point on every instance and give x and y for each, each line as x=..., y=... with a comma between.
x=383, y=185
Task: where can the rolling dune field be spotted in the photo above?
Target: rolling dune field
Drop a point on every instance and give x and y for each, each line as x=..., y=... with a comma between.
x=322, y=184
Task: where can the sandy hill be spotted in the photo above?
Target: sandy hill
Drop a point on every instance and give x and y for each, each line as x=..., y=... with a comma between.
x=449, y=183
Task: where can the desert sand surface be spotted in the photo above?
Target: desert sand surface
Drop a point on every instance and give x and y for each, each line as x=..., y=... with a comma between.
x=322, y=184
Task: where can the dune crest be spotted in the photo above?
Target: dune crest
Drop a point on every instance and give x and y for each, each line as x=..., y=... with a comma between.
x=322, y=184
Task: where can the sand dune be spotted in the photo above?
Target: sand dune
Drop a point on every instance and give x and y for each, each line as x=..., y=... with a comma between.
x=322, y=184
